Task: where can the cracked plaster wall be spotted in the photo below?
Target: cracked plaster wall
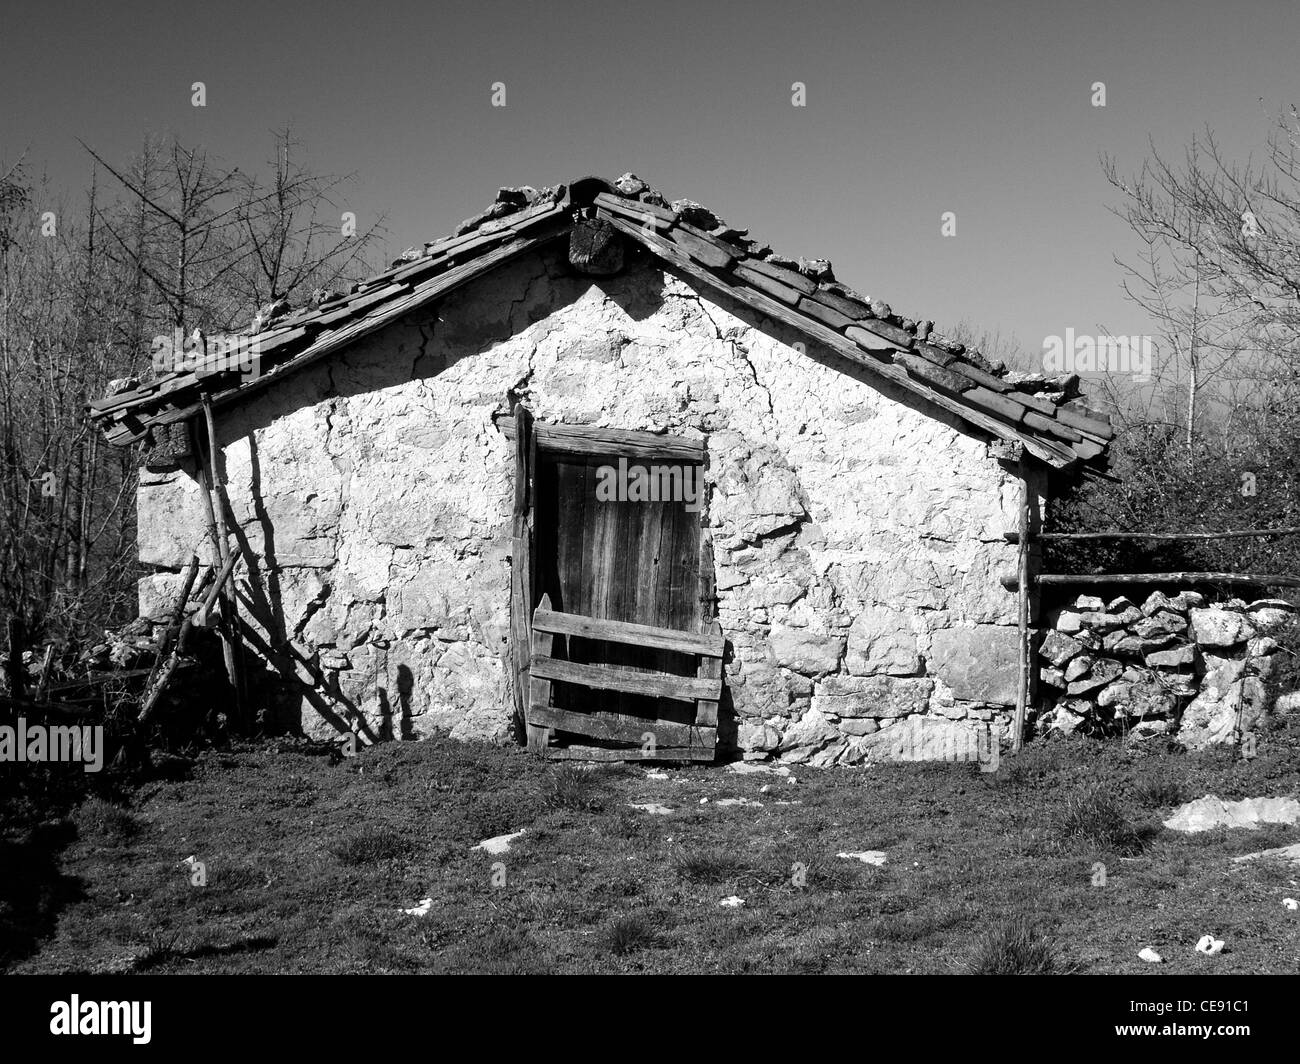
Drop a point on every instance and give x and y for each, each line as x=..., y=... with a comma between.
x=857, y=537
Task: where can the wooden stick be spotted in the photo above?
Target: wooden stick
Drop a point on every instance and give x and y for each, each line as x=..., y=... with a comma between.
x=1160, y=536
x=177, y=615
x=14, y=662
x=1265, y=579
x=47, y=664
x=229, y=607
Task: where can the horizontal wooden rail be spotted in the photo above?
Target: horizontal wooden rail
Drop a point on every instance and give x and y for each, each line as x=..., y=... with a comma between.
x=624, y=729
x=1014, y=537
x=583, y=439
x=643, y=635
x=1263, y=579
x=604, y=678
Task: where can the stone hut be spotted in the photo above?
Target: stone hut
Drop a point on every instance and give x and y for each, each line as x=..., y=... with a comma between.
x=757, y=511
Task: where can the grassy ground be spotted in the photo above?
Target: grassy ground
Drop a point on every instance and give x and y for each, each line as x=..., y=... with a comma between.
x=309, y=860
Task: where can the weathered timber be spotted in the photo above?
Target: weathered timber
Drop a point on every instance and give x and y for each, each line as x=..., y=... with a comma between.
x=710, y=671
x=539, y=689
x=604, y=678
x=629, y=753
x=1157, y=536
x=581, y=439
x=595, y=247
x=618, y=728
x=622, y=632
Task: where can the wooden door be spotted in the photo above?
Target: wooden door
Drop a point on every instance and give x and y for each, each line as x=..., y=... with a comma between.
x=616, y=560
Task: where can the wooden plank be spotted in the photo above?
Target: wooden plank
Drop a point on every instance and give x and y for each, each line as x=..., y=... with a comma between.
x=706, y=709
x=636, y=211
x=621, y=728
x=539, y=690
x=625, y=632
x=1011, y=536
x=702, y=247
x=628, y=753
x=604, y=678
x=601, y=442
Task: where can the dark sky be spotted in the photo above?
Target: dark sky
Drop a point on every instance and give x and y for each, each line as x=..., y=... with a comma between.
x=913, y=109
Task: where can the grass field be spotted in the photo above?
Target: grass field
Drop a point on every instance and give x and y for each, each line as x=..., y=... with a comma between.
x=309, y=860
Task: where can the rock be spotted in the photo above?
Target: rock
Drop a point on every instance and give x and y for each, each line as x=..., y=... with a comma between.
x=1215, y=717
x=1289, y=903
x=1211, y=812
x=1150, y=956
x=733, y=902
x=1052, y=677
x=1061, y=719
x=1156, y=601
x=499, y=843
x=695, y=214
x=1287, y=703
x=1059, y=648
x=871, y=857
x=1069, y=621
x=1278, y=853
x=1175, y=658
x=804, y=650
x=1078, y=667
x=742, y=768
x=880, y=640
x=1270, y=614
x=921, y=739
x=1209, y=945
x=1089, y=603
x=1103, y=671
x=725, y=802
x=630, y=185
x=1122, y=644
x=421, y=909
x=1121, y=604
x=653, y=808
x=871, y=696
x=1144, y=729
x=864, y=726
x=1162, y=623
x=1186, y=600
x=1106, y=622
x=1217, y=627
x=979, y=664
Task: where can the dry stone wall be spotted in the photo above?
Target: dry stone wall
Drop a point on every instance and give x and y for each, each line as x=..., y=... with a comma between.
x=1176, y=665
x=858, y=539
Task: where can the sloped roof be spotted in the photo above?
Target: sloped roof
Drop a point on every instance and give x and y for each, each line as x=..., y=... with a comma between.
x=1042, y=414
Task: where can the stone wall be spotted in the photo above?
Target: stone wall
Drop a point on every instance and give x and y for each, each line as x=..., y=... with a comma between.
x=858, y=538
x=1175, y=665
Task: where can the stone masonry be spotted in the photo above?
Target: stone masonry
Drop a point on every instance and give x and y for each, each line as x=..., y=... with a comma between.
x=857, y=535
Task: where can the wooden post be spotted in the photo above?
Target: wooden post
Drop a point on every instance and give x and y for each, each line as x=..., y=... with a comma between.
x=14, y=661
x=539, y=690
x=217, y=504
x=47, y=665
x=1026, y=662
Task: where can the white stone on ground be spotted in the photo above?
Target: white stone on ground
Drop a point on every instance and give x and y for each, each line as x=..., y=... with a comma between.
x=1281, y=853
x=1291, y=904
x=1149, y=955
x=656, y=775
x=873, y=857
x=1212, y=811
x=499, y=843
x=1209, y=945
x=421, y=909
x=749, y=768
x=732, y=903
x=738, y=801
x=653, y=808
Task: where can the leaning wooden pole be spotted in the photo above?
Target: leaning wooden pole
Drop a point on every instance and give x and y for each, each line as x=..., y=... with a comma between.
x=1025, y=662
x=216, y=504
